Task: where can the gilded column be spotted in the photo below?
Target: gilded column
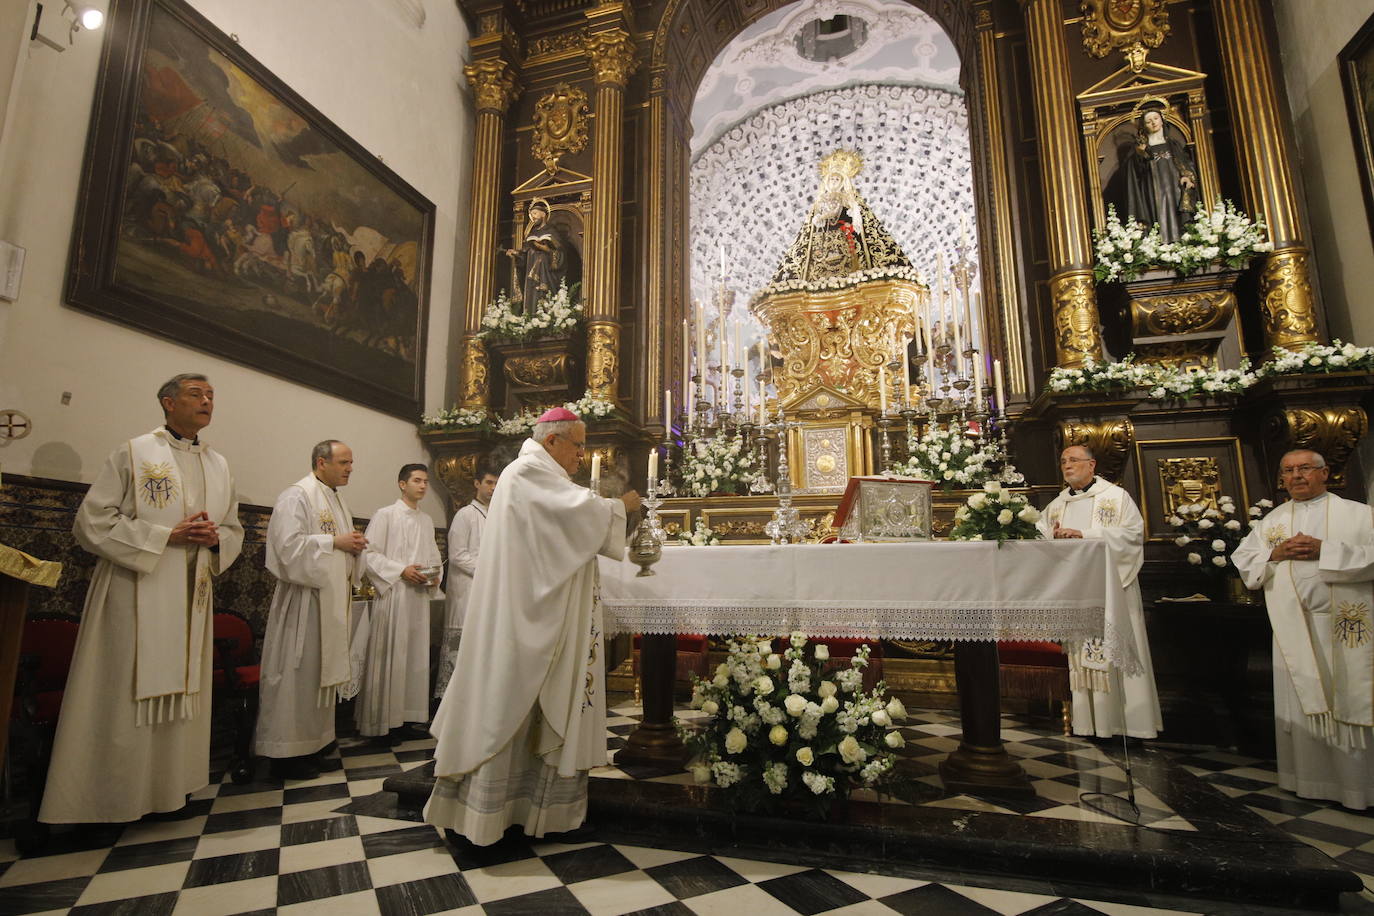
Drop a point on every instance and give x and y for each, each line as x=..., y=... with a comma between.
x=1266, y=160
x=494, y=88
x=1003, y=233
x=659, y=353
x=1077, y=335
x=612, y=56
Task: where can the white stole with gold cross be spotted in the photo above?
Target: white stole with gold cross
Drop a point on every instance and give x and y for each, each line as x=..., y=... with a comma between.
x=1338, y=704
x=170, y=636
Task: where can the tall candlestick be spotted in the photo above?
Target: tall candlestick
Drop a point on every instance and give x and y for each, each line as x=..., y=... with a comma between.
x=653, y=464
x=596, y=472
x=997, y=383
x=882, y=389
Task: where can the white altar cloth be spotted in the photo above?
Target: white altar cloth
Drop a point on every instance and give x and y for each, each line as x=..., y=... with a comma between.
x=1064, y=591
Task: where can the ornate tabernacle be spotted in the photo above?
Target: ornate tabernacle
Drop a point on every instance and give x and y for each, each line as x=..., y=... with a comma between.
x=885, y=509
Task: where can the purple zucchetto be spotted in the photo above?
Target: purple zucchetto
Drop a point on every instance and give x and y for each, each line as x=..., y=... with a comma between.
x=558, y=415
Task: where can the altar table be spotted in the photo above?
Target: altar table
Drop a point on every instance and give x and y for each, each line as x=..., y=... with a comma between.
x=968, y=591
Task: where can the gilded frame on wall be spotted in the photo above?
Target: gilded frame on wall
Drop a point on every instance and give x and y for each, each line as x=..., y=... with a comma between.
x=220, y=210
x=1357, y=75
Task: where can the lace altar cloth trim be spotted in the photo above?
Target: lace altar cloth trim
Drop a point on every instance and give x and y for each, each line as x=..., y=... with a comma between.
x=1064, y=591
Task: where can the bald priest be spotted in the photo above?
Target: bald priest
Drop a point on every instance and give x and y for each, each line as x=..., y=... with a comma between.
x=523, y=717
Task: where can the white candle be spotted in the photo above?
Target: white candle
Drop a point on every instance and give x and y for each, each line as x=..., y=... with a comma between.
x=906, y=370
x=691, y=403
x=741, y=357
x=882, y=389
x=763, y=354
x=686, y=359
x=722, y=263
x=997, y=383
x=978, y=377
x=968, y=318
x=667, y=407
x=653, y=464
x=977, y=314
x=596, y=471
x=763, y=403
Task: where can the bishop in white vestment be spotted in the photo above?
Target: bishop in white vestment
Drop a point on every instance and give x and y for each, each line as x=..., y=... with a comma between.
x=134, y=732
x=1314, y=558
x=401, y=547
x=1107, y=701
x=313, y=552
x=523, y=718
x=464, y=543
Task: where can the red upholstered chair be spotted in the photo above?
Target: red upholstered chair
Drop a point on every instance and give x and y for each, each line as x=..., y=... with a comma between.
x=45, y=658
x=1037, y=671
x=236, y=677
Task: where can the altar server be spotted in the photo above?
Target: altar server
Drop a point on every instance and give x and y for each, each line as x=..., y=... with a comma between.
x=314, y=552
x=464, y=542
x=523, y=718
x=405, y=566
x=1314, y=558
x=1090, y=507
x=134, y=732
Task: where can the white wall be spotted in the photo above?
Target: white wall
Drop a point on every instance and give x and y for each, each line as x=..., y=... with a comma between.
x=395, y=87
x=1311, y=34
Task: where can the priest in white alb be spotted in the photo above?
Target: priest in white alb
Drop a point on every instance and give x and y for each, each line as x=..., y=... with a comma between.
x=314, y=553
x=523, y=717
x=1314, y=558
x=1106, y=700
x=464, y=545
x=404, y=564
x=133, y=736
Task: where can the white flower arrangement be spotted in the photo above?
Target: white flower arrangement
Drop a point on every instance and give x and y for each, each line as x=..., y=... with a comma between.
x=1208, y=534
x=954, y=458
x=720, y=464
x=701, y=535
x=854, y=279
x=1222, y=234
x=556, y=314
x=813, y=737
x=457, y=418
x=995, y=514
x=519, y=425
x=1317, y=358
x=1095, y=376
x=590, y=407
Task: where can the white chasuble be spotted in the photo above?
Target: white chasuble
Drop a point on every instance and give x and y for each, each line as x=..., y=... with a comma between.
x=1320, y=614
x=464, y=544
x=132, y=741
x=395, y=677
x=305, y=659
x=1106, y=700
x=523, y=717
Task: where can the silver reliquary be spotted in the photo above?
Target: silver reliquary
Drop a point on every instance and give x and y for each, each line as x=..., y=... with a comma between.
x=884, y=509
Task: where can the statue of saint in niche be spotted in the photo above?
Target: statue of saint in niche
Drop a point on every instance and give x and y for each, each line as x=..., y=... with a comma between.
x=840, y=236
x=545, y=259
x=1160, y=178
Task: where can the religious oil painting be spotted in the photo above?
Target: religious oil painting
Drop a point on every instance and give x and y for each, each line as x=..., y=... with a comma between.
x=221, y=210
x=1357, y=73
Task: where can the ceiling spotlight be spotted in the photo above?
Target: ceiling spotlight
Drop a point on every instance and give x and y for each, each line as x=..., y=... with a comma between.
x=89, y=17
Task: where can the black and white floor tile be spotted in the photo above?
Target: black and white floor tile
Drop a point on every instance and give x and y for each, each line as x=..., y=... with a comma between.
x=328, y=846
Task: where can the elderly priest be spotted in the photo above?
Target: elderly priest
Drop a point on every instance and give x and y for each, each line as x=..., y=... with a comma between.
x=523, y=717
x=314, y=553
x=1314, y=558
x=134, y=732
x=1106, y=701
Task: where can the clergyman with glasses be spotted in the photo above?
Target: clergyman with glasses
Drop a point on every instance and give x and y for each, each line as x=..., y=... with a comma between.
x=523, y=718
x=1314, y=558
x=1107, y=701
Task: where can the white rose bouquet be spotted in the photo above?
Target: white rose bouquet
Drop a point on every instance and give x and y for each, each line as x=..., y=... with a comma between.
x=720, y=464
x=556, y=314
x=954, y=458
x=1315, y=358
x=995, y=514
x=1207, y=534
x=700, y=536
x=458, y=418
x=1164, y=383
x=792, y=727
x=1223, y=234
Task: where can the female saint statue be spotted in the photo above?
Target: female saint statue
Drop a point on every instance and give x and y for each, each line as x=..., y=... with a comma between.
x=543, y=259
x=1161, y=180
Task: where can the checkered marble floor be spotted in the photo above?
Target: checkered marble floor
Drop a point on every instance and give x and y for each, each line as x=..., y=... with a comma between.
x=336, y=845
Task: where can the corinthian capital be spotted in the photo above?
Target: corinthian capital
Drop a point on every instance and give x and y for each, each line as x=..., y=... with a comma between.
x=612, y=55
x=493, y=84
